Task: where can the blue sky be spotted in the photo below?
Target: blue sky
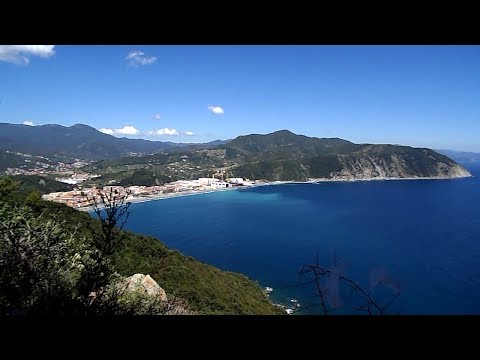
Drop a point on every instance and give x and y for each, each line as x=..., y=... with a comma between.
x=425, y=96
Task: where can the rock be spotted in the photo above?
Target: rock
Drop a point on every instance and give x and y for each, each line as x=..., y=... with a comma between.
x=370, y=166
x=146, y=285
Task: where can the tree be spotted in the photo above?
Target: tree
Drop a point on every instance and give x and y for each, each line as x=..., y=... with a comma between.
x=7, y=185
x=33, y=199
x=112, y=209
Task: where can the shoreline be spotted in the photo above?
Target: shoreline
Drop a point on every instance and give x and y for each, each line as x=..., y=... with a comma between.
x=142, y=199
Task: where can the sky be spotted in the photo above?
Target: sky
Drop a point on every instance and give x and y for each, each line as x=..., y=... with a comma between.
x=422, y=96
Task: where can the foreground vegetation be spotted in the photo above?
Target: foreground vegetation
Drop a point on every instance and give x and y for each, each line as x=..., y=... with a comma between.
x=50, y=263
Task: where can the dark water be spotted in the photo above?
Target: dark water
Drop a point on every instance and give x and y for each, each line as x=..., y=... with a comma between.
x=423, y=234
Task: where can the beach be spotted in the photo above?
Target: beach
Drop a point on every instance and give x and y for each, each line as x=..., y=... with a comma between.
x=140, y=199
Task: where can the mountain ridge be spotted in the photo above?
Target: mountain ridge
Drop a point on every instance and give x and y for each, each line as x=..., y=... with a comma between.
x=289, y=156
x=77, y=141
x=284, y=156
x=463, y=157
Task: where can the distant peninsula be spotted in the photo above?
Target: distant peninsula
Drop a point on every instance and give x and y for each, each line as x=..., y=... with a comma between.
x=283, y=155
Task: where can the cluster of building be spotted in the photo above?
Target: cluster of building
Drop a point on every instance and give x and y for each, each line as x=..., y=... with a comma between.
x=86, y=197
x=208, y=183
x=77, y=178
x=37, y=170
x=40, y=165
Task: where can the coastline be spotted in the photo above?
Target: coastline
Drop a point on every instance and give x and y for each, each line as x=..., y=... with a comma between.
x=141, y=199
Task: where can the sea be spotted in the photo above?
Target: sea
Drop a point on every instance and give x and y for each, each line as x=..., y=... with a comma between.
x=379, y=247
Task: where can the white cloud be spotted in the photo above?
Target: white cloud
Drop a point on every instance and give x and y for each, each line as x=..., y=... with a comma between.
x=189, y=133
x=20, y=54
x=132, y=54
x=106, y=131
x=164, y=131
x=156, y=116
x=29, y=123
x=137, y=58
x=217, y=110
x=126, y=130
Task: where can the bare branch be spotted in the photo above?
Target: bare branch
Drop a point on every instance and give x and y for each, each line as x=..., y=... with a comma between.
x=113, y=211
x=318, y=273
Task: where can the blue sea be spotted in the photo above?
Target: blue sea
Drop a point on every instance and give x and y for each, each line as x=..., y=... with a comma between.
x=421, y=237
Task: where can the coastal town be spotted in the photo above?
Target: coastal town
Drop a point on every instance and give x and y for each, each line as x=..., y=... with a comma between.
x=42, y=165
x=83, y=198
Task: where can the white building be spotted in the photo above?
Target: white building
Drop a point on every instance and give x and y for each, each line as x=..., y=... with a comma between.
x=207, y=181
x=220, y=184
x=135, y=190
x=68, y=181
x=236, y=180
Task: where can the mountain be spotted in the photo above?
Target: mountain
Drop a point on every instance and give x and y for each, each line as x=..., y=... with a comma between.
x=462, y=157
x=183, y=147
x=202, y=145
x=77, y=141
x=282, y=155
x=218, y=142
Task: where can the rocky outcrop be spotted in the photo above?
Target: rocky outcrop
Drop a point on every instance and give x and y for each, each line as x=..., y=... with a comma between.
x=144, y=284
x=397, y=166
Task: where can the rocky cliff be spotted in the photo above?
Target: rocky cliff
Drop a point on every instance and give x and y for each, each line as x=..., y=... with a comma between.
x=395, y=166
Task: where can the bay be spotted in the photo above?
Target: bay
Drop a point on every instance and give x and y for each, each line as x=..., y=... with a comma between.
x=423, y=236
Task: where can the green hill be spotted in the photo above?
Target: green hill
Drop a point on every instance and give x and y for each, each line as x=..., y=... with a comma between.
x=283, y=155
